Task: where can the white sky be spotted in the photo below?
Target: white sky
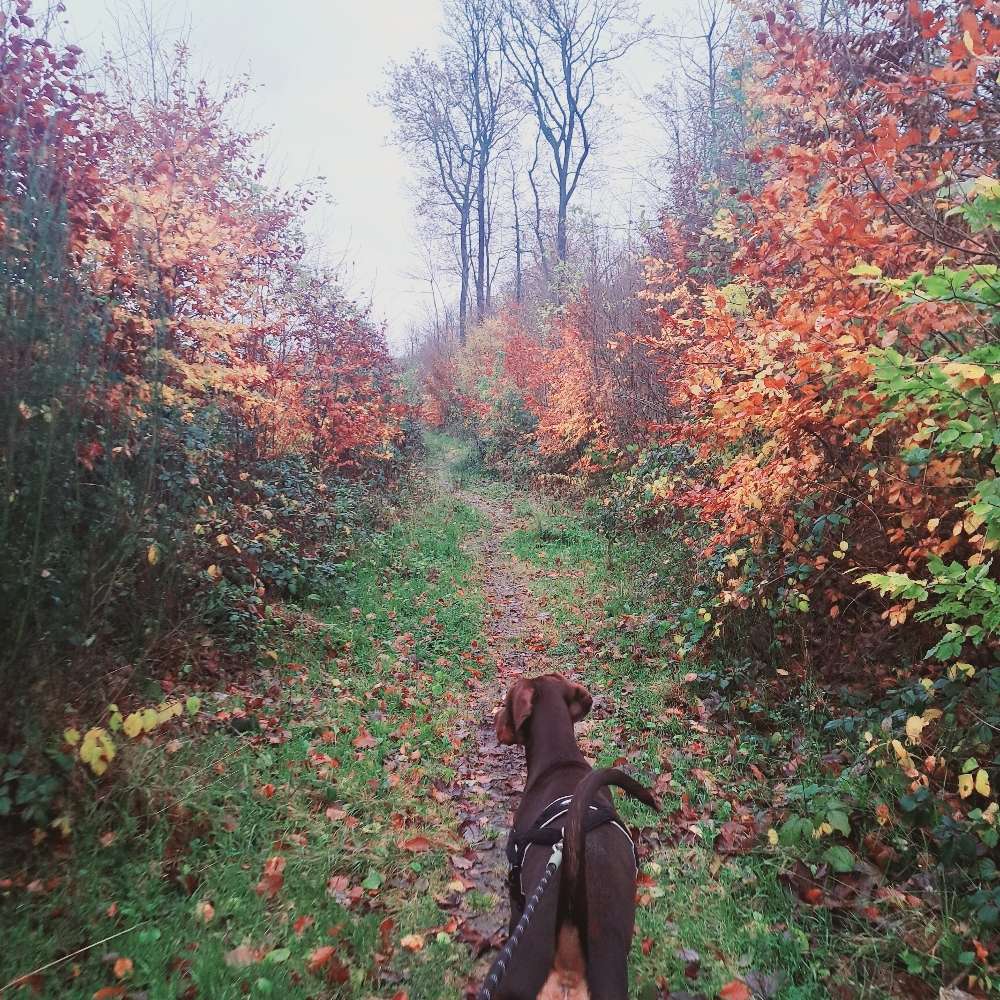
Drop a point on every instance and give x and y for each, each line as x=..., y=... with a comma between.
x=314, y=65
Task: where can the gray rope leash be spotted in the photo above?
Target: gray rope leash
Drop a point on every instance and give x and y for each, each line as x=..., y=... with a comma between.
x=499, y=968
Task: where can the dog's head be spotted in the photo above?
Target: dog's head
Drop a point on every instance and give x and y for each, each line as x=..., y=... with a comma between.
x=527, y=693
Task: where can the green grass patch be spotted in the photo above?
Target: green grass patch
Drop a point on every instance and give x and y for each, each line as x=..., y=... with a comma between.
x=706, y=919
x=354, y=722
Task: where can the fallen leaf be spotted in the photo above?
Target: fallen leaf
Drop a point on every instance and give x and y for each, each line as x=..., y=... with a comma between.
x=273, y=878
x=736, y=989
x=364, y=740
x=123, y=968
x=301, y=925
x=416, y=844
x=320, y=958
x=241, y=957
x=412, y=942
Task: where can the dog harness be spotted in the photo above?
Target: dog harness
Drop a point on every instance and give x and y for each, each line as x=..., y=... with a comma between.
x=547, y=832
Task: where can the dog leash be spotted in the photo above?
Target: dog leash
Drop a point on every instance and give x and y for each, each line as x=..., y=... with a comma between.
x=499, y=968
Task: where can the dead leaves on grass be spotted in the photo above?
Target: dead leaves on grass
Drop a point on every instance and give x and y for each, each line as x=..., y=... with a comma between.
x=273, y=877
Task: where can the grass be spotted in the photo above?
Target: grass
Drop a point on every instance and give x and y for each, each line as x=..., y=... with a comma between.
x=187, y=834
x=358, y=713
x=733, y=912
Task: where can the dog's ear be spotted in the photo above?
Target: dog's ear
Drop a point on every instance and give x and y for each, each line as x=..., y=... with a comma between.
x=516, y=710
x=578, y=699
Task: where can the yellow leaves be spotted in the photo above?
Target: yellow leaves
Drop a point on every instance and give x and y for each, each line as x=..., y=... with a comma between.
x=987, y=186
x=973, y=779
x=147, y=719
x=167, y=712
x=902, y=756
x=97, y=750
x=964, y=370
x=960, y=669
x=63, y=824
x=772, y=837
x=724, y=225
x=864, y=270
x=916, y=724
x=214, y=573
x=153, y=554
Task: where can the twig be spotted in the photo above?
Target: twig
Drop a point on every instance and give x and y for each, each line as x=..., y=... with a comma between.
x=72, y=954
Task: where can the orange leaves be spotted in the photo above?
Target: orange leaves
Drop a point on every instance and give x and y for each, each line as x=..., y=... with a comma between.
x=273, y=877
x=364, y=740
x=765, y=357
x=412, y=942
x=735, y=990
x=416, y=845
x=123, y=968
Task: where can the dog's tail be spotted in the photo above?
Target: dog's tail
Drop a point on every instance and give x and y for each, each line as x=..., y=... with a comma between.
x=571, y=914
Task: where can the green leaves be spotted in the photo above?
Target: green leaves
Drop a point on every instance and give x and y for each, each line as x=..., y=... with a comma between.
x=372, y=880
x=896, y=585
x=839, y=858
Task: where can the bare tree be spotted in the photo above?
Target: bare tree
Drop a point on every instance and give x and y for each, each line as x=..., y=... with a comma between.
x=435, y=120
x=473, y=28
x=700, y=109
x=558, y=49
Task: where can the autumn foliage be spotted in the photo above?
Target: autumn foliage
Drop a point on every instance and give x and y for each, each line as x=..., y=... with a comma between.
x=186, y=401
x=762, y=364
x=810, y=403
x=773, y=366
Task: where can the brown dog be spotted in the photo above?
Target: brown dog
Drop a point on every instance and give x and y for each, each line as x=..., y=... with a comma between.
x=576, y=946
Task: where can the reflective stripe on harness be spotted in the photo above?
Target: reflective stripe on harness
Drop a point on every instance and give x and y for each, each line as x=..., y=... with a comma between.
x=544, y=833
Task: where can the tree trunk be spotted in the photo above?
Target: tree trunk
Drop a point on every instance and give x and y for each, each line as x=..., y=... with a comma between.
x=463, y=299
x=518, y=278
x=561, y=221
x=481, y=262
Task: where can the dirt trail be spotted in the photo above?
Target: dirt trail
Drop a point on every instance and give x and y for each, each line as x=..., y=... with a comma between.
x=490, y=777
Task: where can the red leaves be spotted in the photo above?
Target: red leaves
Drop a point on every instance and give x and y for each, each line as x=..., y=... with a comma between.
x=273, y=877
x=364, y=740
x=416, y=845
x=735, y=990
x=324, y=961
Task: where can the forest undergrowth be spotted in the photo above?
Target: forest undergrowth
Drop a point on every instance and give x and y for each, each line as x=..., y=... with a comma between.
x=316, y=829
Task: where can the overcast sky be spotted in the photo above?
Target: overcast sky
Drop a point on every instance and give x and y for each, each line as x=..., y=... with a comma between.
x=314, y=65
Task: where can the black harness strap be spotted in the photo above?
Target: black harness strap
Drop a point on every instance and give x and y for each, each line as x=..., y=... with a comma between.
x=546, y=832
